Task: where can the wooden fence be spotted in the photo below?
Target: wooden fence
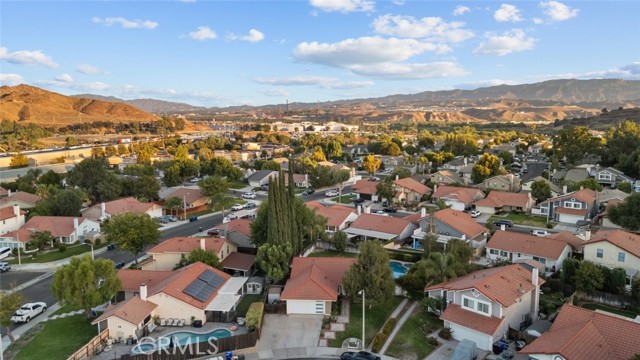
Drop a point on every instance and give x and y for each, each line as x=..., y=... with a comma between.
x=93, y=347
x=277, y=308
x=605, y=299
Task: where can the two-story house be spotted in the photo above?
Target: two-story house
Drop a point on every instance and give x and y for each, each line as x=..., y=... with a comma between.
x=449, y=224
x=611, y=177
x=570, y=207
x=338, y=217
x=458, y=198
x=11, y=219
x=483, y=305
x=555, y=189
x=167, y=254
x=498, y=201
x=512, y=246
x=409, y=191
x=23, y=199
x=455, y=165
x=386, y=228
x=508, y=182
x=615, y=249
x=446, y=177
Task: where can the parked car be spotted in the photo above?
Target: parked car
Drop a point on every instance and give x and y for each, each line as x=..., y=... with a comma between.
x=308, y=191
x=541, y=233
x=250, y=205
x=171, y=218
x=237, y=207
x=475, y=213
x=390, y=210
x=28, y=311
x=264, y=187
x=381, y=212
x=4, y=267
x=360, y=355
x=358, y=200
x=232, y=216
x=331, y=193
x=119, y=265
x=249, y=195
x=505, y=222
x=214, y=232
x=374, y=178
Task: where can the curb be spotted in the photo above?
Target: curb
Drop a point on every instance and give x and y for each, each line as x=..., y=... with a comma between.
x=30, y=282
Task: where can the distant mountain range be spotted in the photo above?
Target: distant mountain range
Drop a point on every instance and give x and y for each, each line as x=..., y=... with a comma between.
x=149, y=105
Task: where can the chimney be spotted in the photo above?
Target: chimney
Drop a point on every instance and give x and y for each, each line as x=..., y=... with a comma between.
x=535, y=302
x=202, y=244
x=423, y=212
x=397, y=177
x=359, y=209
x=581, y=187
x=143, y=292
x=587, y=235
x=16, y=209
x=75, y=223
x=8, y=193
x=465, y=161
x=306, y=180
x=564, y=189
x=367, y=210
x=503, y=227
x=534, y=276
x=103, y=210
x=435, y=188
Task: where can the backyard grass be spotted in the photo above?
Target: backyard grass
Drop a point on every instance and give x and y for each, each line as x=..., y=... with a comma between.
x=550, y=302
x=521, y=219
x=247, y=300
x=238, y=185
x=346, y=199
x=65, y=309
x=374, y=319
x=55, y=255
x=410, y=342
x=332, y=253
x=592, y=306
x=58, y=339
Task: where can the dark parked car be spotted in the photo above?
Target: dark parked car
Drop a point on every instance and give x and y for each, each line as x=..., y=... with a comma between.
x=505, y=222
x=390, y=210
x=358, y=200
x=119, y=265
x=250, y=205
x=308, y=192
x=360, y=355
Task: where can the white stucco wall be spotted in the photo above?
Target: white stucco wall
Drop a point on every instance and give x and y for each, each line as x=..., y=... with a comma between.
x=170, y=307
x=610, y=256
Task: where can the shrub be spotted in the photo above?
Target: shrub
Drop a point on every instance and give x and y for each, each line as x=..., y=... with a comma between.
x=549, y=226
x=254, y=316
x=98, y=242
x=382, y=336
x=432, y=341
x=377, y=342
x=445, y=333
x=389, y=325
x=62, y=248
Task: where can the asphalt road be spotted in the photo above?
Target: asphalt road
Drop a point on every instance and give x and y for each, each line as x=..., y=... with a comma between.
x=534, y=169
x=14, y=278
x=40, y=291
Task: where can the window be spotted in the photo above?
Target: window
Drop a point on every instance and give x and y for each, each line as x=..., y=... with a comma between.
x=475, y=305
x=621, y=256
x=482, y=307
x=493, y=251
x=468, y=303
x=504, y=254
x=599, y=253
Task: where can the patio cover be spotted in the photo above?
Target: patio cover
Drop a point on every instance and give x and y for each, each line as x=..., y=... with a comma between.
x=370, y=233
x=228, y=296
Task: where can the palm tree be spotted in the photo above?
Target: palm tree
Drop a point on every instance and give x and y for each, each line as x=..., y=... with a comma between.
x=440, y=267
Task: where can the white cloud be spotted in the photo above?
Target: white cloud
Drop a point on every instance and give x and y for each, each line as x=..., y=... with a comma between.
x=63, y=82
x=629, y=71
x=126, y=23
x=344, y=6
x=203, y=33
x=538, y=21
x=507, y=13
x=26, y=57
x=11, y=79
x=401, y=71
x=508, y=42
x=558, y=11
x=66, y=78
x=431, y=28
x=364, y=50
x=397, y=2
x=254, y=36
x=461, y=10
x=485, y=83
x=87, y=69
x=274, y=92
x=319, y=81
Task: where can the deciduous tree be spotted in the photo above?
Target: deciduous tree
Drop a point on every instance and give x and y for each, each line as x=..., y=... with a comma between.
x=133, y=232
x=488, y=165
x=339, y=241
x=274, y=260
x=627, y=214
x=371, y=164
x=540, y=190
x=11, y=301
x=203, y=256
x=384, y=190
x=371, y=272
x=18, y=160
x=589, y=277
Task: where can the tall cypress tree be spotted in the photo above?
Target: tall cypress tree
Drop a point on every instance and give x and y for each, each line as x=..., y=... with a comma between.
x=296, y=240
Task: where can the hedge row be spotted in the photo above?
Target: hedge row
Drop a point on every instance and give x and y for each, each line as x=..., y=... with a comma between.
x=382, y=336
x=254, y=316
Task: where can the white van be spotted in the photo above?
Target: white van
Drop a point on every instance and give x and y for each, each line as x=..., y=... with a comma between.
x=4, y=252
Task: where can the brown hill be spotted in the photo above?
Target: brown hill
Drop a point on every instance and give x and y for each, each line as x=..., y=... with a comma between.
x=31, y=104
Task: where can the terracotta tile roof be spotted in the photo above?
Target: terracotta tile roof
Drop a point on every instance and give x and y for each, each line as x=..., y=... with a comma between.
x=185, y=245
x=57, y=225
x=299, y=178
x=239, y=261
x=3, y=191
x=585, y=195
x=530, y=262
x=581, y=334
x=460, y=221
x=527, y=244
x=124, y=205
x=7, y=213
x=132, y=279
x=133, y=310
x=580, y=212
x=316, y=278
x=243, y=226
x=502, y=198
x=415, y=218
x=501, y=284
x=21, y=196
x=484, y=324
x=365, y=187
x=413, y=185
x=620, y=238
x=463, y=194
x=189, y=195
x=385, y=224
x=336, y=215
x=569, y=238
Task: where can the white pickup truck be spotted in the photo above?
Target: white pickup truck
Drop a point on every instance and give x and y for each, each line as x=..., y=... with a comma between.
x=28, y=311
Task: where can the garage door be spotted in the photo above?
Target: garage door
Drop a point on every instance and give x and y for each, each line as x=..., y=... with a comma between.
x=305, y=307
x=571, y=219
x=482, y=341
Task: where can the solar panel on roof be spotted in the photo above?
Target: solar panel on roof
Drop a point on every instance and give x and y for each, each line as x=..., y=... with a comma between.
x=205, y=285
x=211, y=278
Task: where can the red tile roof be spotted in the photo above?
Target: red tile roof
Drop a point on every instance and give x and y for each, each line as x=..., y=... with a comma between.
x=132, y=279
x=238, y=261
x=460, y=221
x=3, y=191
x=620, y=238
x=185, y=245
x=133, y=311
x=385, y=224
x=188, y=195
x=7, y=213
x=585, y=195
x=499, y=199
x=316, y=278
x=484, y=324
x=581, y=334
x=569, y=238
x=21, y=196
x=365, y=187
x=413, y=185
x=124, y=205
x=501, y=284
x=527, y=244
x=463, y=194
x=563, y=210
x=336, y=215
x=57, y=225
x=243, y=226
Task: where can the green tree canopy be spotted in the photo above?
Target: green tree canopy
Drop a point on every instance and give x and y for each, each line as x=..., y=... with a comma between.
x=11, y=301
x=627, y=214
x=385, y=190
x=86, y=283
x=92, y=176
x=487, y=166
x=339, y=241
x=133, y=232
x=371, y=273
x=589, y=277
x=274, y=260
x=371, y=164
x=540, y=190
x=203, y=256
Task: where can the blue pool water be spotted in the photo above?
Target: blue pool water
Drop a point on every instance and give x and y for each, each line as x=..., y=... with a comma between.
x=398, y=269
x=179, y=338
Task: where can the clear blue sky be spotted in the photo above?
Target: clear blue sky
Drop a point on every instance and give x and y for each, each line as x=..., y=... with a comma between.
x=221, y=53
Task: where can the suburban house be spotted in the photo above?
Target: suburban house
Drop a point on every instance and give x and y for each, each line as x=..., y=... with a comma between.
x=615, y=249
x=11, y=219
x=611, y=177
x=315, y=284
x=579, y=333
x=576, y=242
x=508, y=182
x=300, y=180
x=603, y=217
x=483, y=305
x=455, y=165
x=449, y=224
x=238, y=231
x=239, y=264
x=4, y=192
x=500, y=201
x=446, y=177
x=570, y=207
x=555, y=189
x=511, y=246
x=167, y=254
x=577, y=174
x=132, y=318
x=458, y=198
x=510, y=148
x=365, y=189
x=386, y=228
x=339, y=217
x=391, y=162
x=261, y=177
x=466, y=173
x=191, y=199
x=409, y=191
x=355, y=150
x=64, y=229
x=106, y=210
x=23, y=199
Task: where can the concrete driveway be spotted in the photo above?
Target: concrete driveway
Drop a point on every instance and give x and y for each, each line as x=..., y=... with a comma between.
x=289, y=331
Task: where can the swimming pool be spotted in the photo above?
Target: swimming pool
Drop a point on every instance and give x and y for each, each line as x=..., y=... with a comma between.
x=179, y=338
x=398, y=268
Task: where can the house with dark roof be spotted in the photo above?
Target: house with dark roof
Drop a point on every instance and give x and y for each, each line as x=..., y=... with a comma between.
x=611, y=177
x=167, y=254
x=455, y=165
x=555, y=189
x=238, y=231
x=483, y=305
x=582, y=334
x=512, y=246
x=508, y=182
x=261, y=177
x=569, y=208
x=239, y=264
x=501, y=201
x=448, y=224
x=615, y=249
x=387, y=228
x=458, y=198
x=446, y=177
x=409, y=191
x=314, y=284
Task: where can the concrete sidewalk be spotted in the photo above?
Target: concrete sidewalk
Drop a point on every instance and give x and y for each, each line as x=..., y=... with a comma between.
x=17, y=332
x=398, y=326
x=394, y=314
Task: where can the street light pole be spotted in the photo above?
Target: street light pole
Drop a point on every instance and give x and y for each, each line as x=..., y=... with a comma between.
x=361, y=292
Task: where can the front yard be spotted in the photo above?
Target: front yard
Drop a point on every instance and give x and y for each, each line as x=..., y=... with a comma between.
x=521, y=219
x=55, y=254
x=374, y=319
x=411, y=341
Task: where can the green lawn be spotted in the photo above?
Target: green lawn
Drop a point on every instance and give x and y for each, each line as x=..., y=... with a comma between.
x=332, y=253
x=247, y=300
x=374, y=319
x=410, y=342
x=238, y=185
x=628, y=314
x=65, y=309
x=550, y=302
x=55, y=255
x=521, y=219
x=345, y=199
x=59, y=339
